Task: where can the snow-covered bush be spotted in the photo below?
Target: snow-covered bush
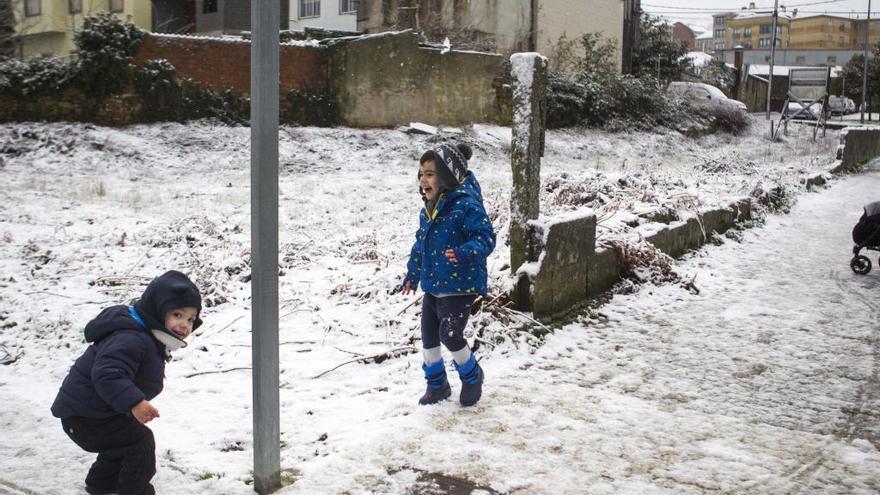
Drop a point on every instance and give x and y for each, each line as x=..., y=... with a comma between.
x=160, y=91
x=166, y=98
x=309, y=107
x=588, y=90
x=730, y=119
x=105, y=49
x=38, y=76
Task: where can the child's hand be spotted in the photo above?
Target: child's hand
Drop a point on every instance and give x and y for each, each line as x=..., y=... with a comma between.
x=450, y=255
x=144, y=412
x=407, y=289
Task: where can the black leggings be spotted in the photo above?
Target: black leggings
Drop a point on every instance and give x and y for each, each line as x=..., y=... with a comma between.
x=444, y=320
x=126, y=453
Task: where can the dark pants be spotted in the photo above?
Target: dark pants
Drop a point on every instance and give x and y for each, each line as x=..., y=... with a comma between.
x=444, y=320
x=126, y=453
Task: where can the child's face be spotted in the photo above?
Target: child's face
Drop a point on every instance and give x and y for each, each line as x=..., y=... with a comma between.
x=428, y=180
x=180, y=321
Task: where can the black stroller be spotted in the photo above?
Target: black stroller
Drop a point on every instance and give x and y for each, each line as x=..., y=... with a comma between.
x=866, y=235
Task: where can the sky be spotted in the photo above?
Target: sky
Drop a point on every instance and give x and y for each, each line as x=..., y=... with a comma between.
x=701, y=15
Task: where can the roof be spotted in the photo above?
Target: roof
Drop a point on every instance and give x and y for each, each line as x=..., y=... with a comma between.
x=699, y=59
x=748, y=14
x=762, y=70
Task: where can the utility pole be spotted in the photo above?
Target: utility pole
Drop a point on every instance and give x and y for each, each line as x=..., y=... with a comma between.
x=772, y=60
x=265, y=76
x=865, y=72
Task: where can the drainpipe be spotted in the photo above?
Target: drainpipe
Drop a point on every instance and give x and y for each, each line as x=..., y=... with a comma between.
x=533, y=26
x=865, y=70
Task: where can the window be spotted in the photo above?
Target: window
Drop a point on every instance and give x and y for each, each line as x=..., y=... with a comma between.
x=747, y=32
x=309, y=8
x=348, y=6
x=832, y=59
x=33, y=7
x=843, y=26
x=719, y=33
x=842, y=42
x=719, y=21
x=209, y=6
x=117, y=5
x=736, y=33
x=74, y=6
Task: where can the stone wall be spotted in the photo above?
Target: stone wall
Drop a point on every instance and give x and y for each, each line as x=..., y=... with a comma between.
x=378, y=81
x=568, y=270
x=857, y=146
x=557, y=280
x=387, y=79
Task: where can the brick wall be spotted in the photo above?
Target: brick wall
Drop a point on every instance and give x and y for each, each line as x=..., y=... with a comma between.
x=683, y=36
x=220, y=64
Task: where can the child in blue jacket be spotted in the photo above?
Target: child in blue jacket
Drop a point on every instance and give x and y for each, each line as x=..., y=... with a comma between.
x=104, y=403
x=448, y=259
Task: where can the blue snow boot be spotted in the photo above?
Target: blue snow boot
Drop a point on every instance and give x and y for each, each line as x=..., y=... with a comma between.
x=471, y=381
x=438, y=386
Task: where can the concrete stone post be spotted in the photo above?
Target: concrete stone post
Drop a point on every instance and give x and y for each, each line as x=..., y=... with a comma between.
x=529, y=71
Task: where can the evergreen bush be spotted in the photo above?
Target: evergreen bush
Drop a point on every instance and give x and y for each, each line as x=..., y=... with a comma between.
x=106, y=46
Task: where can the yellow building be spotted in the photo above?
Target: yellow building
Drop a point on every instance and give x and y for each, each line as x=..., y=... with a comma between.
x=46, y=27
x=753, y=30
x=750, y=28
x=858, y=34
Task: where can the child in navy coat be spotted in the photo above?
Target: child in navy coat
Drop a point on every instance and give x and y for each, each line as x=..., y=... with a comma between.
x=104, y=403
x=448, y=259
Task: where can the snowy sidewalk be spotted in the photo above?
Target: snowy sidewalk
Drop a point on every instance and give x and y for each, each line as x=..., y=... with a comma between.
x=765, y=382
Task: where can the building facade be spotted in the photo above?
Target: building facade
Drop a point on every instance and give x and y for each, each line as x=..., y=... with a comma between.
x=211, y=17
x=704, y=42
x=46, y=27
x=752, y=29
x=684, y=35
x=503, y=26
x=337, y=15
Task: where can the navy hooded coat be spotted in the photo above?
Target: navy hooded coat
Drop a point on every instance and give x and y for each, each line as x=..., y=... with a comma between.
x=125, y=363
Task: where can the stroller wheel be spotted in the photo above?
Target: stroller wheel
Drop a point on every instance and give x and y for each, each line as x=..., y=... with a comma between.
x=860, y=264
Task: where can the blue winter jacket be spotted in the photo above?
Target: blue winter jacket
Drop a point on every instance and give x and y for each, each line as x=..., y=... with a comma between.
x=124, y=365
x=459, y=222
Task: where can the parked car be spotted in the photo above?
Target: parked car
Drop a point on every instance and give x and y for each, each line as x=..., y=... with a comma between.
x=793, y=111
x=837, y=105
x=704, y=94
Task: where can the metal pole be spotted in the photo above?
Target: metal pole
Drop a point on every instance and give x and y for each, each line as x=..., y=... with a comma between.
x=772, y=60
x=865, y=72
x=265, y=19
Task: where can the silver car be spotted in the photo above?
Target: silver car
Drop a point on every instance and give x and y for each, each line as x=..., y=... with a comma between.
x=704, y=94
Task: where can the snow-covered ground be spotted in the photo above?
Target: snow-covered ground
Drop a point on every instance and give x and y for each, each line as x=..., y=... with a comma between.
x=760, y=383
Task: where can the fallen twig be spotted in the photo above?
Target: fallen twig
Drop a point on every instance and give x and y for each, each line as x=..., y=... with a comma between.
x=212, y=372
x=376, y=359
x=414, y=302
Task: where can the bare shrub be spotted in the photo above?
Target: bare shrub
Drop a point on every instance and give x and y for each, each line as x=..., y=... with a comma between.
x=730, y=119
